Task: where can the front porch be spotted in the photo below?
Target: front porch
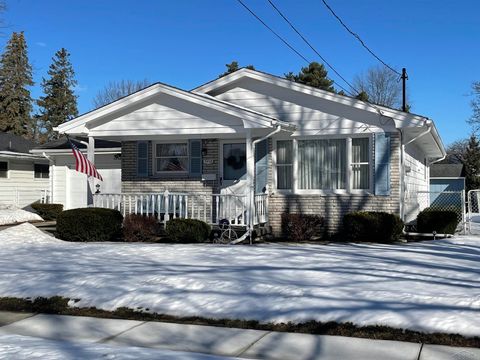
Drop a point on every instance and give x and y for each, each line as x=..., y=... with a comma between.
x=207, y=207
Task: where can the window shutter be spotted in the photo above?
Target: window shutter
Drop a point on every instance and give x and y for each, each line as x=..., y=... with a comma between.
x=195, y=157
x=382, y=164
x=261, y=167
x=142, y=158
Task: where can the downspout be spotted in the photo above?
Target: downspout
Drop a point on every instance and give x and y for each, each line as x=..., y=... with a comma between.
x=428, y=123
x=51, y=176
x=251, y=192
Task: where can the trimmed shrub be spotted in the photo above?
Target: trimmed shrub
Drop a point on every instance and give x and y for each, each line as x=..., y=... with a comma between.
x=47, y=211
x=441, y=221
x=140, y=228
x=187, y=230
x=372, y=226
x=89, y=224
x=301, y=227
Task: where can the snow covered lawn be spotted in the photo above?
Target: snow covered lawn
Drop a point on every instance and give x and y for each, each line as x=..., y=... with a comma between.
x=429, y=286
x=10, y=214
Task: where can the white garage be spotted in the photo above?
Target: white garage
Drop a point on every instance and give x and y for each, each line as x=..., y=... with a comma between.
x=69, y=187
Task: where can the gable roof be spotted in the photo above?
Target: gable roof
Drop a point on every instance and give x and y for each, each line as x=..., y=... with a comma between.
x=447, y=171
x=410, y=124
x=15, y=143
x=226, y=80
x=245, y=114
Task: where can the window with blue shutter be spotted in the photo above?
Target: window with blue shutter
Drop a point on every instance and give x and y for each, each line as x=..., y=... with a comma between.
x=382, y=164
x=195, y=157
x=142, y=158
x=261, y=167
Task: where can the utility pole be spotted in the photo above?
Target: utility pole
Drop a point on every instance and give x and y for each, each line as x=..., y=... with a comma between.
x=404, y=78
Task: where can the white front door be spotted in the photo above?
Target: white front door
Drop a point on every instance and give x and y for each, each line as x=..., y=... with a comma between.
x=233, y=181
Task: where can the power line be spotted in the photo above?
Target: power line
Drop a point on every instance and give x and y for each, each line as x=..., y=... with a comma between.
x=359, y=39
x=311, y=46
x=273, y=31
x=291, y=47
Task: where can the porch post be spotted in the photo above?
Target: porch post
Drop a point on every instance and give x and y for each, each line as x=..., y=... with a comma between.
x=91, y=179
x=250, y=180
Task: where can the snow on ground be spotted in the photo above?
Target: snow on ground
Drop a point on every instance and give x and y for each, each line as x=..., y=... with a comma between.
x=25, y=347
x=9, y=214
x=429, y=286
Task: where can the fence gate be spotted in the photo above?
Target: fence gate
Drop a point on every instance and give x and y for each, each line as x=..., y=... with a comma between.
x=446, y=200
x=473, y=216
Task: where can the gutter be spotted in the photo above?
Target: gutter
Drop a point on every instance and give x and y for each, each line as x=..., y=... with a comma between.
x=51, y=176
x=429, y=125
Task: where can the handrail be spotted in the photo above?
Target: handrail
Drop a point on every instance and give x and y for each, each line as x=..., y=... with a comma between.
x=204, y=206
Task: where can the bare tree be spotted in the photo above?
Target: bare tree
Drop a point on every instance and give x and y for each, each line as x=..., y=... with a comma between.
x=456, y=152
x=115, y=90
x=381, y=85
x=475, y=118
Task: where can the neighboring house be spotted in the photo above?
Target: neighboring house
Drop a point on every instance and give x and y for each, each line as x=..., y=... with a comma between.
x=69, y=187
x=250, y=146
x=23, y=176
x=445, y=179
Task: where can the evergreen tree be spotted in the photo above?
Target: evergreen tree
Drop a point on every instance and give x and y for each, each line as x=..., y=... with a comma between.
x=314, y=75
x=15, y=78
x=471, y=162
x=362, y=95
x=59, y=104
x=232, y=67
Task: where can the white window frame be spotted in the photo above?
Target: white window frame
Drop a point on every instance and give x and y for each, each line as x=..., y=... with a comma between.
x=155, y=157
x=349, y=178
x=350, y=164
x=8, y=169
x=276, y=165
x=40, y=178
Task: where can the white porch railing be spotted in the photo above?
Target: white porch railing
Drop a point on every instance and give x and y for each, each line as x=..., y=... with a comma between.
x=210, y=208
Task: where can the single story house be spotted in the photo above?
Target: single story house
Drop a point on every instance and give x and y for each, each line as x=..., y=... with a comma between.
x=24, y=177
x=250, y=146
x=69, y=187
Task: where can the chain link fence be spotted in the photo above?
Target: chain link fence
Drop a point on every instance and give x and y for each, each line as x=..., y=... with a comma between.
x=445, y=200
x=473, y=216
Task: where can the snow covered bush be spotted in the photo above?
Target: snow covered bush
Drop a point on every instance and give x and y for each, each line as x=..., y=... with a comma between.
x=47, y=211
x=301, y=227
x=140, y=228
x=187, y=230
x=441, y=221
x=372, y=226
x=89, y=224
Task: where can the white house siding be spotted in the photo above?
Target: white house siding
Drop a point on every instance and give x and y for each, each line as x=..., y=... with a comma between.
x=21, y=188
x=70, y=186
x=416, y=179
x=311, y=114
x=163, y=116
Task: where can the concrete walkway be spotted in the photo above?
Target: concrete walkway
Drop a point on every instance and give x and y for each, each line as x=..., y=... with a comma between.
x=225, y=342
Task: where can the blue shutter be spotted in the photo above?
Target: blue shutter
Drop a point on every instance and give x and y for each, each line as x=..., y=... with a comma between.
x=195, y=157
x=142, y=158
x=261, y=167
x=382, y=164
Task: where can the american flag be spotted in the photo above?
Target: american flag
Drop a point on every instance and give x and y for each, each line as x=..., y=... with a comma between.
x=82, y=164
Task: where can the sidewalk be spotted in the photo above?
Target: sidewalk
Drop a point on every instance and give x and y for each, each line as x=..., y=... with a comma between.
x=99, y=336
